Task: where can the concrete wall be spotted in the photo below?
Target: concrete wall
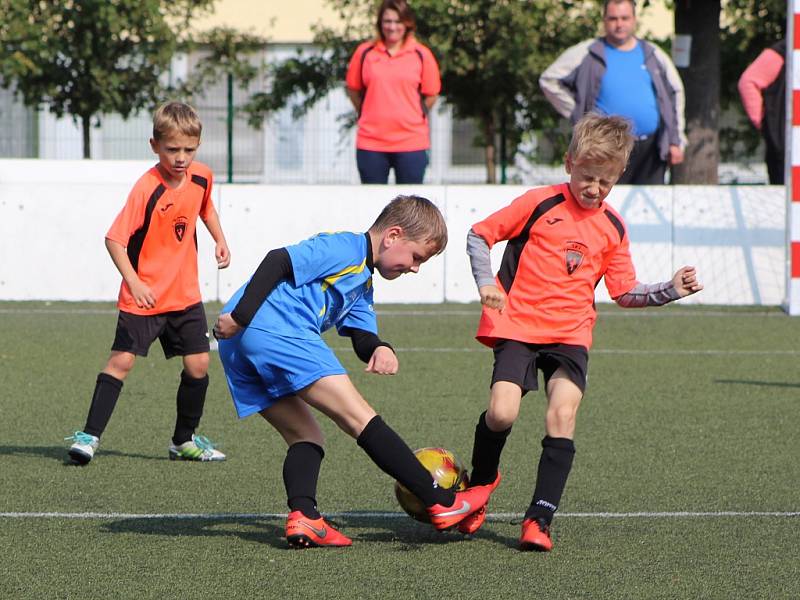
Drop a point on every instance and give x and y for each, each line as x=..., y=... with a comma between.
x=54, y=215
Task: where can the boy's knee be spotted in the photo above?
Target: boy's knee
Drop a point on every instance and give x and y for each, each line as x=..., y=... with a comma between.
x=120, y=364
x=503, y=406
x=561, y=420
x=354, y=424
x=196, y=365
x=500, y=418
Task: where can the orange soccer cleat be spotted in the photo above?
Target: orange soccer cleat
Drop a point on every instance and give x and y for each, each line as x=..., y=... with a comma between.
x=535, y=536
x=467, y=502
x=302, y=532
x=473, y=522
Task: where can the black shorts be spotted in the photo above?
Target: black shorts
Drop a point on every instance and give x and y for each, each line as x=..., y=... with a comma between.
x=520, y=363
x=180, y=332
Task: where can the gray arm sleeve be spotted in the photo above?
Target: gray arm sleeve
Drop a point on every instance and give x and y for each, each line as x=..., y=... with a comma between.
x=479, y=259
x=648, y=294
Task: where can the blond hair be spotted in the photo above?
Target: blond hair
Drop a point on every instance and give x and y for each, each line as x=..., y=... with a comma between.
x=601, y=138
x=177, y=117
x=419, y=218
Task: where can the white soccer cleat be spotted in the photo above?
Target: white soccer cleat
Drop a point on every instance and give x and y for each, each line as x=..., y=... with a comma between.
x=83, y=448
x=198, y=448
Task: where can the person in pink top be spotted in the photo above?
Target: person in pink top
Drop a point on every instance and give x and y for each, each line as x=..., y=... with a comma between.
x=393, y=82
x=762, y=88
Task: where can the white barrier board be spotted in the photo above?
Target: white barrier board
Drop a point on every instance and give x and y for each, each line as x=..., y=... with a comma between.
x=54, y=215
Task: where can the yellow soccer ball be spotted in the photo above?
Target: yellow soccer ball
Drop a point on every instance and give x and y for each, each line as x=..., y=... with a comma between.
x=446, y=471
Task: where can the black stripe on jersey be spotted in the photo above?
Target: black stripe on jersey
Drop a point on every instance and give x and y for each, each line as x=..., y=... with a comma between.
x=616, y=223
x=201, y=181
x=137, y=239
x=361, y=73
x=508, y=267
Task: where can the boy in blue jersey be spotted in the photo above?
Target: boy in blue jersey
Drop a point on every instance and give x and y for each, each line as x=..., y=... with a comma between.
x=277, y=364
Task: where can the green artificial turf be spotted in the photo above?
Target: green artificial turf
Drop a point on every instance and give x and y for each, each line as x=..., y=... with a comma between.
x=688, y=410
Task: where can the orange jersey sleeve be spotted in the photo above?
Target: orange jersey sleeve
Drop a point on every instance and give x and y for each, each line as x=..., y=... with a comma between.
x=431, y=83
x=618, y=271
x=508, y=222
x=131, y=217
x=353, y=78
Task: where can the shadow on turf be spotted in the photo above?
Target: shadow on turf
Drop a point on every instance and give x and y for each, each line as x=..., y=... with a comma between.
x=412, y=534
x=406, y=532
x=759, y=383
x=59, y=453
x=261, y=531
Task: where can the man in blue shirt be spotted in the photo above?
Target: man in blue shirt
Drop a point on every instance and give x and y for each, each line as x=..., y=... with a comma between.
x=620, y=74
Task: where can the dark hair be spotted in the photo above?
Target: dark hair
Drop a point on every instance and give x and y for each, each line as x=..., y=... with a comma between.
x=607, y=2
x=403, y=10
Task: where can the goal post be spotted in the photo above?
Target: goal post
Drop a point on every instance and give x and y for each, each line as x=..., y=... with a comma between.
x=792, y=158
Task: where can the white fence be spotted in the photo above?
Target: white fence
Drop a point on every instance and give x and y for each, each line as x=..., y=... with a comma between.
x=54, y=215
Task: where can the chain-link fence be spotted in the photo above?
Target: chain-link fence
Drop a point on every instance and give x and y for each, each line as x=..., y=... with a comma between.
x=313, y=149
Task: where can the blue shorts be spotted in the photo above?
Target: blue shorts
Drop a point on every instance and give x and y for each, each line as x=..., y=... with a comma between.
x=261, y=367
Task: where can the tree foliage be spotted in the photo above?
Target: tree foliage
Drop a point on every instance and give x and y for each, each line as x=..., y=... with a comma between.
x=86, y=58
x=746, y=27
x=490, y=52
x=225, y=52
x=700, y=21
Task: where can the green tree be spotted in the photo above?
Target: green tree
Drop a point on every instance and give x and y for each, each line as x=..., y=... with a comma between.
x=86, y=58
x=226, y=54
x=490, y=53
x=700, y=21
x=726, y=37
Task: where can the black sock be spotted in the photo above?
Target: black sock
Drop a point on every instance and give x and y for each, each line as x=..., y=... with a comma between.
x=486, y=452
x=104, y=399
x=554, y=466
x=395, y=458
x=300, y=475
x=191, y=399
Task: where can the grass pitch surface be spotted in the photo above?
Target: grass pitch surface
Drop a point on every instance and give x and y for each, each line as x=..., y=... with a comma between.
x=684, y=483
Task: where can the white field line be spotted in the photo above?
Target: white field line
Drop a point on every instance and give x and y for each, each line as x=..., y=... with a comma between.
x=642, y=351
x=619, y=351
x=392, y=515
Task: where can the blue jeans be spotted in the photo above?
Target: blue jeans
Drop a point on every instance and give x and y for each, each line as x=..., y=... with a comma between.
x=409, y=167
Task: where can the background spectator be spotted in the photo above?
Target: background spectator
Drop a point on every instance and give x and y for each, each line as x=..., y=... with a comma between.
x=762, y=88
x=393, y=82
x=620, y=74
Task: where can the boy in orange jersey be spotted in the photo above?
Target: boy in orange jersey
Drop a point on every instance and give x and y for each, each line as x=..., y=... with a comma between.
x=538, y=313
x=153, y=244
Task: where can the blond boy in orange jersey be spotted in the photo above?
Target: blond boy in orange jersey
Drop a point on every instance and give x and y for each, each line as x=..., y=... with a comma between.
x=539, y=312
x=153, y=244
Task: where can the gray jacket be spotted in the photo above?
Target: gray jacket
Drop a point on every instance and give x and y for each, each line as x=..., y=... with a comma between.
x=572, y=83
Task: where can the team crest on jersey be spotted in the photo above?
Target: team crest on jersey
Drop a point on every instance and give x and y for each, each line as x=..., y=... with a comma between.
x=574, y=253
x=179, y=227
